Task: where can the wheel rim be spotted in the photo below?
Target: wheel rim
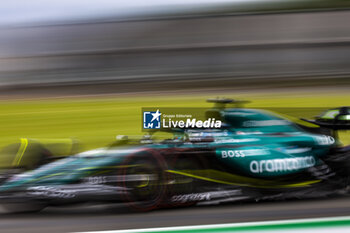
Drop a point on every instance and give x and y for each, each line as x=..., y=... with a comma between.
x=147, y=190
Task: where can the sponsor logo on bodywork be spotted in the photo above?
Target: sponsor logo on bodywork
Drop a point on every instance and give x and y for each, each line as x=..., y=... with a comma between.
x=243, y=153
x=96, y=179
x=281, y=165
x=294, y=150
x=231, y=140
x=191, y=197
x=50, y=192
x=324, y=140
x=265, y=123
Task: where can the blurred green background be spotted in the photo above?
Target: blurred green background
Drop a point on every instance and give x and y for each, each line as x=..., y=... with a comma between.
x=96, y=121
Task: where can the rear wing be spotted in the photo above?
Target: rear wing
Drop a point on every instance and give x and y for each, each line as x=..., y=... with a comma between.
x=329, y=125
x=334, y=119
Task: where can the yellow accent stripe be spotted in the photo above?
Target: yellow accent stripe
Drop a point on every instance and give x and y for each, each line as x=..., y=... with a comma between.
x=48, y=176
x=20, y=152
x=231, y=179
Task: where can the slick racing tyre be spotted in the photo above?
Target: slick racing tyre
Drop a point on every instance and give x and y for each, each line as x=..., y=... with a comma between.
x=145, y=180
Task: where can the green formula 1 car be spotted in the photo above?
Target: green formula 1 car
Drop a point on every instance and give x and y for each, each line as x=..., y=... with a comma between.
x=255, y=155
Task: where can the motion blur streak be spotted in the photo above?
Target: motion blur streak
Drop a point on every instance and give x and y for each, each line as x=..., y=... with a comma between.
x=74, y=74
x=308, y=45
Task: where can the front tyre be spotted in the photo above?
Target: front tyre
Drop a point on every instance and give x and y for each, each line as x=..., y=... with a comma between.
x=145, y=180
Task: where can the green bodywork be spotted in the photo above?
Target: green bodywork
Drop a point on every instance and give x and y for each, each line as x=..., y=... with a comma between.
x=256, y=144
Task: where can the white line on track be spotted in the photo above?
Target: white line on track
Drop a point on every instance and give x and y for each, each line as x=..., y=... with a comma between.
x=234, y=225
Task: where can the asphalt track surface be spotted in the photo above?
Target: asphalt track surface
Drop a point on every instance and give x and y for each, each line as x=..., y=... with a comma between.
x=103, y=217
